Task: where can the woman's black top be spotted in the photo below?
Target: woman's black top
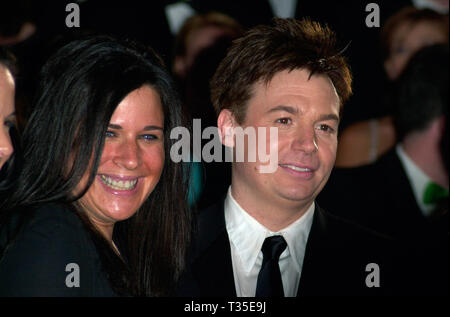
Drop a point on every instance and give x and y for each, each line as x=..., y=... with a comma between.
x=52, y=255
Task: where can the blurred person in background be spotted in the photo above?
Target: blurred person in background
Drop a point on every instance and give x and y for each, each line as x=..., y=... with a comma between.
x=200, y=45
x=399, y=194
x=8, y=131
x=403, y=34
x=19, y=33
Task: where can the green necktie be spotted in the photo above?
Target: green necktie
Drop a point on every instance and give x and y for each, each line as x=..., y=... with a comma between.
x=434, y=193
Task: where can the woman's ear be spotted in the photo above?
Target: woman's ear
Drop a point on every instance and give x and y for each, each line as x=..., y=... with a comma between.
x=226, y=124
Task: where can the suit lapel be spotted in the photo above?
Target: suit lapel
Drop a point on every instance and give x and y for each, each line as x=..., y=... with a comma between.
x=314, y=247
x=212, y=267
x=402, y=196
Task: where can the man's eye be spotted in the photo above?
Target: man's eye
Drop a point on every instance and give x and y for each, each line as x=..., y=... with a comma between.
x=110, y=134
x=284, y=120
x=326, y=128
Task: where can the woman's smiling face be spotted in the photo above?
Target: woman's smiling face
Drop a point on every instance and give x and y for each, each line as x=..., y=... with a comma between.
x=131, y=163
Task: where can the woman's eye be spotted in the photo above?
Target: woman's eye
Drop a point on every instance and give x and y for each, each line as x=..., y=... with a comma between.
x=284, y=120
x=149, y=137
x=110, y=134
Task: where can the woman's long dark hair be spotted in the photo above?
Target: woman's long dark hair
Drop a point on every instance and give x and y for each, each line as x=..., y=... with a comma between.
x=79, y=90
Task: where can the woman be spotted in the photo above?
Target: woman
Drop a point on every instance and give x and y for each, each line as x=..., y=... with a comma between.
x=403, y=34
x=7, y=112
x=100, y=206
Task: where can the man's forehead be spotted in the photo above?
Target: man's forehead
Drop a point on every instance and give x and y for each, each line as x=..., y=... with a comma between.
x=295, y=78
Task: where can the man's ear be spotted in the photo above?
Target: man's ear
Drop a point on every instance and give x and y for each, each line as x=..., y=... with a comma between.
x=226, y=124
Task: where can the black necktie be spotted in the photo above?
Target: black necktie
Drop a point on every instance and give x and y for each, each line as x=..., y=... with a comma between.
x=269, y=278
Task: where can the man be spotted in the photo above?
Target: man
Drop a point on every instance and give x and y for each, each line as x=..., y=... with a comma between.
x=405, y=193
x=289, y=76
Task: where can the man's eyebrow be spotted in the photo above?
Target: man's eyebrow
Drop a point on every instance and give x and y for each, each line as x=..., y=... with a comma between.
x=146, y=128
x=289, y=109
x=294, y=110
x=330, y=116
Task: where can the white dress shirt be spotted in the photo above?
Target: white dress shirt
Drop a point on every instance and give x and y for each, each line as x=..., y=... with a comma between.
x=417, y=179
x=246, y=239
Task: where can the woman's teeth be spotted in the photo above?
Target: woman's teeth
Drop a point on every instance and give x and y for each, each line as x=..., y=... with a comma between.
x=118, y=185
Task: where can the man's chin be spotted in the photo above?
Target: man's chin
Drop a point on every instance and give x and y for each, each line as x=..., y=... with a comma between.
x=296, y=196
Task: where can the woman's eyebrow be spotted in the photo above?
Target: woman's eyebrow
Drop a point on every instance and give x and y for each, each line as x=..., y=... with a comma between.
x=146, y=128
x=153, y=127
x=115, y=126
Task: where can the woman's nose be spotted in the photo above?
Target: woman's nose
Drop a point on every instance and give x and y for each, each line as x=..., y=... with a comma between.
x=128, y=155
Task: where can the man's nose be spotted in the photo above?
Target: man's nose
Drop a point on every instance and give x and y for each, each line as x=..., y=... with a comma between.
x=305, y=140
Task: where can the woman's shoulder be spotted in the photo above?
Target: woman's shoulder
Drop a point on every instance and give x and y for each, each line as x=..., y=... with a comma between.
x=54, y=216
x=36, y=260
x=43, y=220
x=52, y=225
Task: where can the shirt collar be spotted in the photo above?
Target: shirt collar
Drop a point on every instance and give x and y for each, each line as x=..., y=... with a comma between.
x=239, y=224
x=417, y=179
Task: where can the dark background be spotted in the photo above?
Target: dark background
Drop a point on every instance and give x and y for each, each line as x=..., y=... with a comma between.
x=146, y=21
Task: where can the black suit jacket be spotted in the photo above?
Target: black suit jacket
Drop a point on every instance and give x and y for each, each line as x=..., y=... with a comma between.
x=380, y=197
x=337, y=254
